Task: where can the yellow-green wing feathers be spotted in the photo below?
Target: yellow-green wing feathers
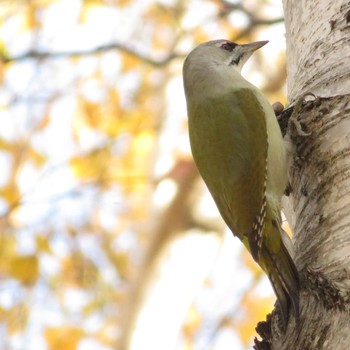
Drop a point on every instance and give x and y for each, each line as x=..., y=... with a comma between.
x=229, y=144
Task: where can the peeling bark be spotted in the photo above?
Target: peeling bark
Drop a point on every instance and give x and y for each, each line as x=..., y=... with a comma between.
x=318, y=47
x=318, y=207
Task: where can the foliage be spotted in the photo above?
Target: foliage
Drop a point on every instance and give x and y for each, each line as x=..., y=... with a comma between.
x=96, y=170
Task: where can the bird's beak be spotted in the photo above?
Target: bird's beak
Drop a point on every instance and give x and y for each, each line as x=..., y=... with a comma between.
x=253, y=46
x=246, y=50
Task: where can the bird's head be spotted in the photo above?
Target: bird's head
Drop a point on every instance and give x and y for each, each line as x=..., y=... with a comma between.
x=223, y=52
x=214, y=66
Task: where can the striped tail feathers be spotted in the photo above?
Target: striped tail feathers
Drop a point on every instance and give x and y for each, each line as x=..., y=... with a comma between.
x=284, y=278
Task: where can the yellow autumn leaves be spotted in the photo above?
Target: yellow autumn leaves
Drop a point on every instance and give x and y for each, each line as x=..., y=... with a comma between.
x=78, y=184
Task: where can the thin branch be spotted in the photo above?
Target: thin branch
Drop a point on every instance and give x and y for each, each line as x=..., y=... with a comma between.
x=254, y=22
x=33, y=54
x=267, y=22
x=227, y=8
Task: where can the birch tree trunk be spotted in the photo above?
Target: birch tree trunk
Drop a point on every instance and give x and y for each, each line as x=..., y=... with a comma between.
x=318, y=208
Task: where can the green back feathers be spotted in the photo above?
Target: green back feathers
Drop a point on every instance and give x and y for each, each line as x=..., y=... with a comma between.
x=229, y=145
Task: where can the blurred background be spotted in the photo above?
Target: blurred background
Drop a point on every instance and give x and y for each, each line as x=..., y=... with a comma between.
x=109, y=239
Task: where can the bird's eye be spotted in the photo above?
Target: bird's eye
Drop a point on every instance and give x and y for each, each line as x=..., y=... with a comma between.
x=228, y=45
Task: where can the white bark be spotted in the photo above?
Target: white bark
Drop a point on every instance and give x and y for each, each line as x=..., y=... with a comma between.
x=318, y=62
x=317, y=34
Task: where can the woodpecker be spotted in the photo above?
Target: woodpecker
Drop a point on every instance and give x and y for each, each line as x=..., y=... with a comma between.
x=238, y=148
